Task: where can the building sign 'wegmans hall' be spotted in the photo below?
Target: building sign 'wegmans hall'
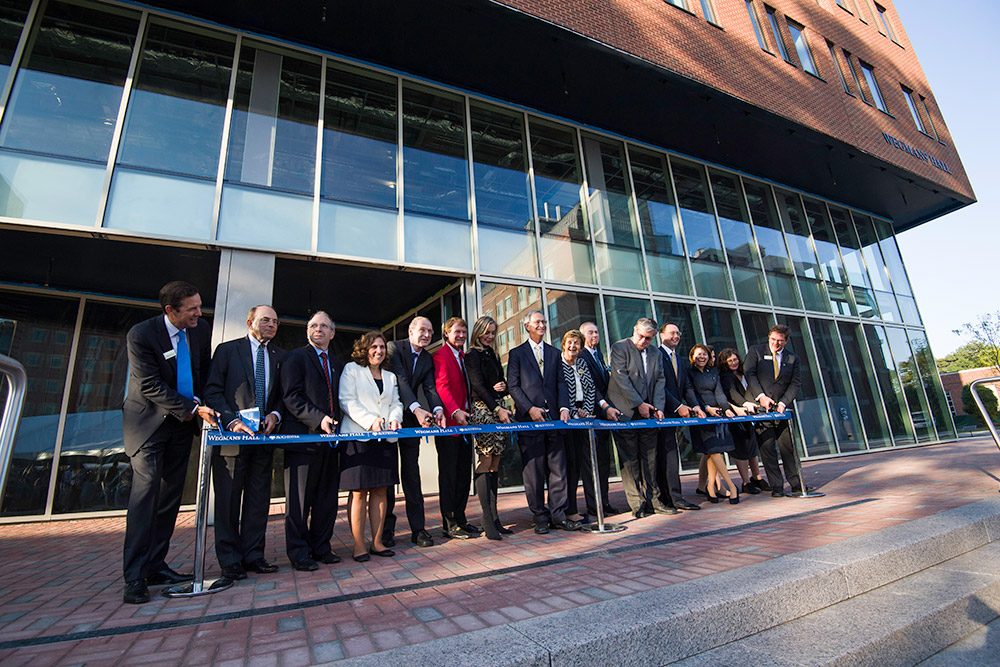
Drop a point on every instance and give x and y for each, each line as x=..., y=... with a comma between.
x=915, y=152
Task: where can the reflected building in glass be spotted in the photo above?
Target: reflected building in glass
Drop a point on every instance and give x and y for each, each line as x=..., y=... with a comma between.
x=384, y=160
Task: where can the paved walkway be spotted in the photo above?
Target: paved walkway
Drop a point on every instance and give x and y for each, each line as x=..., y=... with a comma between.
x=60, y=585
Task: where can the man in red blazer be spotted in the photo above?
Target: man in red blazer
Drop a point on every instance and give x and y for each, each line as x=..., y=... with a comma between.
x=454, y=451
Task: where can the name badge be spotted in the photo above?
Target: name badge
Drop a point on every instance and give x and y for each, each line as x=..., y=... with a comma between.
x=169, y=354
x=768, y=357
x=251, y=417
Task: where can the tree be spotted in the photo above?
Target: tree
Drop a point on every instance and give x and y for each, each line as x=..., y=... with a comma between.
x=989, y=402
x=971, y=355
x=986, y=332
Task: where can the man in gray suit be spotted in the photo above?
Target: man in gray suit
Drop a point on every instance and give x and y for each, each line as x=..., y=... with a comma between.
x=637, y=386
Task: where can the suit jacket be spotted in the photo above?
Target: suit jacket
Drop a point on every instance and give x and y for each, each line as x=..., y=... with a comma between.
x=527, y=386
x=630, y=384
x=676, y=385
x=734, y=389
x=151, y=396
x=231, y=385
x=304, y=393
x=705, y=390
x=362, y=402
x=409, y=378
x=452, y=383
x=597, y=374
x=758, y=369
x=485, y=371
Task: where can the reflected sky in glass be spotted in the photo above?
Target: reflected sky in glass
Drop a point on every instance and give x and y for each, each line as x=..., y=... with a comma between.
x=50, y=189
x=142, y=201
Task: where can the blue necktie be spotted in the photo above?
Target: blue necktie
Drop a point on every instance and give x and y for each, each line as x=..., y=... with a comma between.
x=600, y=359
x=260, y=379
x=185, y=381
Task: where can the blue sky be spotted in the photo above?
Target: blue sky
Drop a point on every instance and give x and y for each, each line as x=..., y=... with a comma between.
x=953, y=261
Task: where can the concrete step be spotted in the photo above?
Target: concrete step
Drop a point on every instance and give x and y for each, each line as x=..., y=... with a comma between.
x=901, y=623
x=982, y=647
x=691, y=619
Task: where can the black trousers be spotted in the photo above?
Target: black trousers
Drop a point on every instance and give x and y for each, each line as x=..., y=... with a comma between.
x=454, y=478
x=409, y=476
x=543, y=459
x=579, y=466
x=242, y=486
x=779, y=434
x=637, y=454
x=668, y=466
x=158, y=472
x=603, y=467
x=311, y=486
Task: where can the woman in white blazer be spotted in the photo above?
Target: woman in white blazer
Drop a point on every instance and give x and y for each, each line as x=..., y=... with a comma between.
x=370, y=401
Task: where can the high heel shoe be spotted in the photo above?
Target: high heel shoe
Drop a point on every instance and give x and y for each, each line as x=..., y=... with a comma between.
x=383, y=553
x=712, y=499
x=735, y=500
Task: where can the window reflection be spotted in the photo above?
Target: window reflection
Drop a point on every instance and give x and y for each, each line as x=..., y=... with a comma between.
x=435, y=167
x=943, y=422
x=831, y=266
x=810, y=405
x=263, y=218
x=661, y=227
x=722, y=330
x=877, y=270
x=609, y=205
x=800, y=247
x=778, y=267
x=12, y=16
x=909, y=375
x=884, y=366
x=684, y=316
x=839, y=392
x=568, y=310
x=854, y=263
x=622, y=314
x=437, y=241
x=48, y=188
x=894, y=264
x=756, y=326
x=359, y=231
x=865, y=386
x=700, y=231
x=741, y=249
x=508, y=304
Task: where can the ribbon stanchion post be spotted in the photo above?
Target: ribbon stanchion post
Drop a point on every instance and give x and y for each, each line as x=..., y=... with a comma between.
x=600, y=526
x=199, y=586
x=806, y=493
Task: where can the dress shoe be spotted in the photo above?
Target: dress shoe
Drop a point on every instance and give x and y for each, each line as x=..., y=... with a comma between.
x=502, y=530
x=235, y=572
x=610, y=510
x=305, y=565
x=568, y=524
x=777, y=494
x=761, y=483
x=700, y=492
x=685, y=505
x=388, y=539
x=329, y=558
x=363, y=558
x=471, y=530
x=751, y=488
x=421, y=538
x=638, y=514
x=459, y=533
x=663, y=509
x=167, y=576
x=136, y=592
x=383, y=553
x=260, y=566
x=541, y=528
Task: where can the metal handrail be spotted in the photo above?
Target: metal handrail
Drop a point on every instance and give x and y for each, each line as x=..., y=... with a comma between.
x=17, y=384
x=982, y=407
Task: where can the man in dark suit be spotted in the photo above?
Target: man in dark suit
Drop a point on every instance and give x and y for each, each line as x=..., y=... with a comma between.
x=773, y=378
x=168, y=358
x=414, y=369
x=592, y=356
x=636, y=388
x=309, y=386
x=245, y=377
x=535, y=382
x=668, y=469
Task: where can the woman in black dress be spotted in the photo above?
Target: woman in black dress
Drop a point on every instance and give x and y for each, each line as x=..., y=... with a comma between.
x=488, y=390
x=370, y=401
x=587, y=401
x=704, y=390
x=730, y=368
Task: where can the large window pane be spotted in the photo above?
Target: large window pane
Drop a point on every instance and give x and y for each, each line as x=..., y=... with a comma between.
x=437, y=241
x=854, y=264
x=568, y=310
x=622, y=315
x=566, y=252
x=894, y=264
x=359, y=137
x=877, y=270
x=831, y=266
x=889, y=382
x=810, y=405
x=508, y=304
x=803, y=254
x=722, y=330
x=756, y=326
x=68, y=89
x=94, y=471
x=504, y=222
x=49, y=188
x=909, y=374
x=356, y=230
x=619, y=258
x=771, y=242
x=741, y=249
x=684, y=316
x=932, y=384
x=265, y=218
x=272, y=140
x=661, y=228
x=866, y=387
x=38, y=332
x=162, y=204
x=704, y=246
x=839, y=392
x=12, y=16
x=435, y=159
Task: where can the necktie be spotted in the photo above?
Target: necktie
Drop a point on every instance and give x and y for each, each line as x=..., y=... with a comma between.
x=541, y=361
x=465, y=376
x=600, y=359
x=326, y=373
x=673, y=361
x=416, y=355
x=777, y=366
x=260, y=379
x=185, y=381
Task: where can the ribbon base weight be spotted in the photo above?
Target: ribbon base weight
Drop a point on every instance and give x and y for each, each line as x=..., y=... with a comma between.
x=602, y=528
x=810, y=494
x=195, y=588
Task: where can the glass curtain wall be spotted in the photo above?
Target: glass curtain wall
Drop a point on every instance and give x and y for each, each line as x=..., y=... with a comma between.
x=708, y=263
x=830, y=261
x=837, y=381
x=913, y=389
x=741, y=247
x=854, y=262
x=897, y=274
x=884, y=366
x=811, y=405
x=877, y=270
x=770, y=238
x=803, y=254
x=866, y=385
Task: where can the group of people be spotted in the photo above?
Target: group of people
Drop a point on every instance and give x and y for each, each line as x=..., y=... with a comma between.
x=252, y=386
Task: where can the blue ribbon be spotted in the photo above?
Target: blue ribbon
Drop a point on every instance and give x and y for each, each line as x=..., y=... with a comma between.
x=231, y=438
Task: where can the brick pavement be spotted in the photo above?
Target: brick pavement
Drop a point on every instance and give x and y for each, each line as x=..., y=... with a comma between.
x=60, y=586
